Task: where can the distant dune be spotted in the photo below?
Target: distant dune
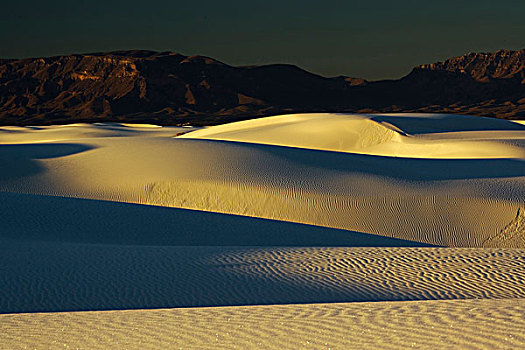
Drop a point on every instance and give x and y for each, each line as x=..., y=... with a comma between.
x=396, y=135
x=385, y=228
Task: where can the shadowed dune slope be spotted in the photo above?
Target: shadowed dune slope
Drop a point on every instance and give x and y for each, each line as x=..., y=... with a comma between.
x=37, y=218
x=415, y=124
x=49, y=276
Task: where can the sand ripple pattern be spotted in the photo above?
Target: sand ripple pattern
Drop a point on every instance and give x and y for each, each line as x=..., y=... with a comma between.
x=376, y=274
x=44, y=277
x=465, y=324
x=443, y=220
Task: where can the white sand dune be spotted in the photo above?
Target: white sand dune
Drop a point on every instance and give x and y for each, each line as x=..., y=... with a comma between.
x=383, y=135
x=446, y=202
x=295, y=209
x=460, y=324
x=73, y=132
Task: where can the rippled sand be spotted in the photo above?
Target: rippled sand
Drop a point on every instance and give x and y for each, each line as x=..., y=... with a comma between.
x=443, y=324
x=65, y=277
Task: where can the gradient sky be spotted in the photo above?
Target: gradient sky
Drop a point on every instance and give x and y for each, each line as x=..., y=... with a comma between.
x=368, y=39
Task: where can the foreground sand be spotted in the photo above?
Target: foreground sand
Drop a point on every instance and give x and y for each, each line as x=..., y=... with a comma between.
x=457, y=324
x=411, y=227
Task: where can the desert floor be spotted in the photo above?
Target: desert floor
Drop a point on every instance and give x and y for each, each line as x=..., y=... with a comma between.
x=321, y=231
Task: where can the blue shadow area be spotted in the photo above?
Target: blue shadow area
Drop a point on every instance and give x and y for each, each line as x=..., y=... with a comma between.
x=19, y=160
x=58, y=219
x=437, y=123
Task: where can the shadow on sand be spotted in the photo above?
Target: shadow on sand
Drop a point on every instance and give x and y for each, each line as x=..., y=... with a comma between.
x=58, y=219
x=18, y=161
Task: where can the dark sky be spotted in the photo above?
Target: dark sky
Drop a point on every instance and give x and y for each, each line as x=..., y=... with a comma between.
x=369, y=39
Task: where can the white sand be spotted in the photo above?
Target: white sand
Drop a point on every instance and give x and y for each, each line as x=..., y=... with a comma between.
x=224, y=203
x=382, y=135
x=458, y=324
x=448, y=202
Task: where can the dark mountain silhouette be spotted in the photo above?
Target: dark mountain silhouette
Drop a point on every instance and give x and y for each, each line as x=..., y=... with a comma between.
x=172, y=89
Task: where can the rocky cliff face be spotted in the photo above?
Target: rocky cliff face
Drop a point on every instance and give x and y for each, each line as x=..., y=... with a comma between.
x=489, y=84
x=502, y=64
x=169, y=88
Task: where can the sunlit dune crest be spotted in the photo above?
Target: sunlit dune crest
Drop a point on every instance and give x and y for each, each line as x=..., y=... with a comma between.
x=383, y=135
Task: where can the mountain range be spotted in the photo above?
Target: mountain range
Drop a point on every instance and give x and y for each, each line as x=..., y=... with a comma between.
x=167, y=88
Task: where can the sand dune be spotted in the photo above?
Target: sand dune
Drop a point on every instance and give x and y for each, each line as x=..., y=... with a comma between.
x=295, y=209
x=460, y=324
x=446, y=202
x=384, y=135
x=73, y=132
